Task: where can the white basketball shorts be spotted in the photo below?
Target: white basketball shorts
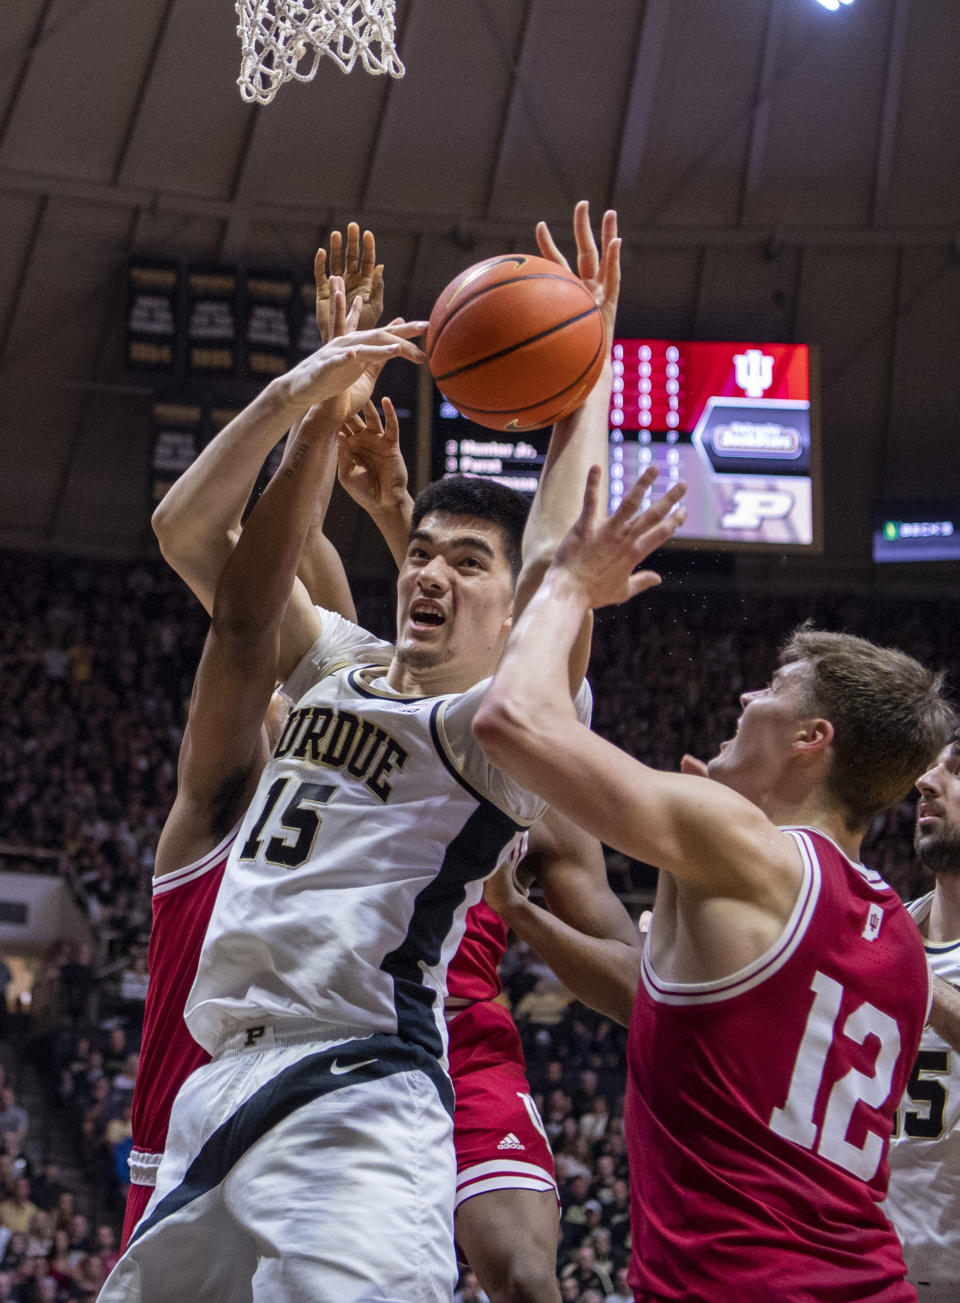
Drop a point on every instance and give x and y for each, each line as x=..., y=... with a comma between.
x=318, y=1172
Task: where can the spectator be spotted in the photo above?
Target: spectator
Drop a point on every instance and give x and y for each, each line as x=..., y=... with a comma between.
x=18, y=1209
x=13, y=1118
x=618, y=1216
x=80, y=1242
x=40, y=1235
x=573, y=1220
x=622, y=1292
x=587, y=1273
x=569, y=1290
x=593, y=1124
x=48, y=1187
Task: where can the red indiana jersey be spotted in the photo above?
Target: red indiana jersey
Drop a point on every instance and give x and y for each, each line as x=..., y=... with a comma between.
x=182, y=903
x=759, y=1106
x=473, y=973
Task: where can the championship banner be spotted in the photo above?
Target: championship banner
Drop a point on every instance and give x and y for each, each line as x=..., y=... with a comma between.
x=268, y=324
x=212, y=321
x=176, y=444
x=308, y=336
x=152, y=303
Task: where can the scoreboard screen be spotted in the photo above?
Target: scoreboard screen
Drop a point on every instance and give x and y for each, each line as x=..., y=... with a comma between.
x=917, y=531
x=733, y=420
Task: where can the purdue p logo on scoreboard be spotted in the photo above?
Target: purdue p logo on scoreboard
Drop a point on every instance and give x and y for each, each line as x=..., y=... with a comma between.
x=749, y=508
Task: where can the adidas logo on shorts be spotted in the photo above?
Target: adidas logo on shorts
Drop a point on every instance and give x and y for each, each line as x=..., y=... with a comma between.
x=510, y=1141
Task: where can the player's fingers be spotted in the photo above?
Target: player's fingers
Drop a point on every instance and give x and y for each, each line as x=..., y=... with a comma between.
x=650, y=537
x=391, y=425
x=338, y=308
x=659, y=509
x=591, y=494
x=547, y=245
x=353, y=247
x=691, y=765
x=372, y=417
x=629, y=508
x=320, y=267
x=368, y=259
x=642, y=580
x=588, y=260
x=406, y=329
x=336, y=253
x=611, y=270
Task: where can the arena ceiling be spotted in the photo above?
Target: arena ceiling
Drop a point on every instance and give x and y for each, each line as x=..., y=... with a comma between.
x=781, y=172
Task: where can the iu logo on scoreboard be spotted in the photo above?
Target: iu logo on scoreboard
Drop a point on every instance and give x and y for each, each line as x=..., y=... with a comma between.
x=753, y=371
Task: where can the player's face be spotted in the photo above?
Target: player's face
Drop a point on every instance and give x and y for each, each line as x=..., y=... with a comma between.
x=454, y=596
x=753, y=760
x=937, y=834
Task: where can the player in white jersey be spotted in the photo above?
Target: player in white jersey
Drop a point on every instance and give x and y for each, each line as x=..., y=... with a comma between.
x=924, y=1197
x=317, y=990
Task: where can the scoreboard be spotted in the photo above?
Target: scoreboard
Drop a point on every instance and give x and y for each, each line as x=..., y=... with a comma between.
x=735, y=421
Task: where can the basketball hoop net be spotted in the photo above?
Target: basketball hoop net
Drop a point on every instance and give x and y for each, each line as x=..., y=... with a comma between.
x=284, y=40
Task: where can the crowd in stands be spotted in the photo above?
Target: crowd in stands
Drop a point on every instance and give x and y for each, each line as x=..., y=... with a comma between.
x=49, y=1251
x=98, y=660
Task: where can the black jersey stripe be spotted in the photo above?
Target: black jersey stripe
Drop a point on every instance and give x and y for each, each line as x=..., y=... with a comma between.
x=300, y=1084
x=472, y=855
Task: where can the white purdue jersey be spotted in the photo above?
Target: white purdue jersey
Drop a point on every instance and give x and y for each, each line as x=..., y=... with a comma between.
x=923, y=1201
x=367, y=841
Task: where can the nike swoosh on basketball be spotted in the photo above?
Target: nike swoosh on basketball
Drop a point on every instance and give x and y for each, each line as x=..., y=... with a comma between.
x=338, y=1071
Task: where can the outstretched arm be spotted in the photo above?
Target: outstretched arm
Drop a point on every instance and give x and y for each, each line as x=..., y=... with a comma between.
x=601, y=971
x=702, y=833
x=578, y=441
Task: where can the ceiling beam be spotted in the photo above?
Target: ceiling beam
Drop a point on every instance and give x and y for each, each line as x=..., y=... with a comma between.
x=407, y=222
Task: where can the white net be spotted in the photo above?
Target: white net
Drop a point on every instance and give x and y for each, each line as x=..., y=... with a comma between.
x=284, y=40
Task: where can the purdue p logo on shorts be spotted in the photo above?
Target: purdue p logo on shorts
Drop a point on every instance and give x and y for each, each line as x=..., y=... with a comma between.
x=253, y=1034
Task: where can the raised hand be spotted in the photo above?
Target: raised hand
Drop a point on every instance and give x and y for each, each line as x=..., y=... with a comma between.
x=361, y=273
x=342, y=373
x=369, y=463
x=600, y=554
x=599, y=271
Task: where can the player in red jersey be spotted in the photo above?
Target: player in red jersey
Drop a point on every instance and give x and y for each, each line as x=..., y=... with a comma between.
x=778, y=1003
x=182, y=901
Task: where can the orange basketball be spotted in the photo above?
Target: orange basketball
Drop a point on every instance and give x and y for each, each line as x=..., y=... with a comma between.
x=516, y=342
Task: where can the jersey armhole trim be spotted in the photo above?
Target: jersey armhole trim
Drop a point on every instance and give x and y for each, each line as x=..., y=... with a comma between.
x=178, y=877
x=446, y=754
x=761, y=968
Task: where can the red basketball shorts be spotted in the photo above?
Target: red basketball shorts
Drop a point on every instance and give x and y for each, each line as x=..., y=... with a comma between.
x=497, y=1130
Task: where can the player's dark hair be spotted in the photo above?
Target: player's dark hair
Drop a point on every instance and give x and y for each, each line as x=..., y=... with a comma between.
x=888, y=712
x=466, y=495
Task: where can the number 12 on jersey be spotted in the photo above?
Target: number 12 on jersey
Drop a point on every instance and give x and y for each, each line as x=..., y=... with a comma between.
x=795, y=1120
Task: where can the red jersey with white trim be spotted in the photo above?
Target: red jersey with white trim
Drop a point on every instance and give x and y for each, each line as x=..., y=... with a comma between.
x=182, y=904
x=759, y=1106
x=473, y=973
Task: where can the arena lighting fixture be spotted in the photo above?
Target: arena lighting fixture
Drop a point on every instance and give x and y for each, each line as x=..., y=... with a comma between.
x=835, y=4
